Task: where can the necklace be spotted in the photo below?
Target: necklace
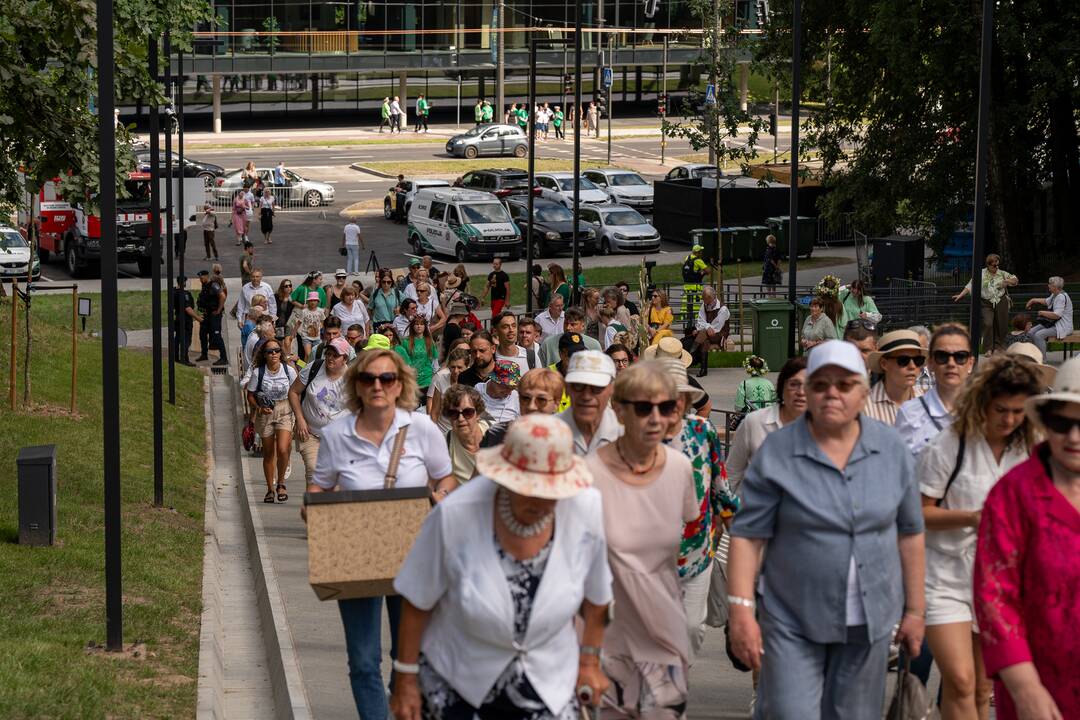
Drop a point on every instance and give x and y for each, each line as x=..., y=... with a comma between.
x=630, y=465
x=502, y=504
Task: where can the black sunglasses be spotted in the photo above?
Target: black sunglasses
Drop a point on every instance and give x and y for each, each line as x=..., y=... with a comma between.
x=960, y=357
x=386, y=378
x=271, y=351
x=903, y=360
x=467, y=413
x=861, y=323
x=1059, y=424
x=644, y=408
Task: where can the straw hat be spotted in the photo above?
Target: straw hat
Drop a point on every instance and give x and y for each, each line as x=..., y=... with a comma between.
x=453, y=282
x=677, y=371
x=1066, y=389
x=895, y=341
x=1047, y=373
x=668, y=347
x=536, y=460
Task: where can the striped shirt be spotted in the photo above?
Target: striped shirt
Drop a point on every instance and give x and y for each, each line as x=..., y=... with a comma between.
x=880, y=407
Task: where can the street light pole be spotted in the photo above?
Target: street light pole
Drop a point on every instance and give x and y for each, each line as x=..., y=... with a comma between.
x=575, y=267
x=500, y=67
x=110, y=351
x=532, y=175
x=793, y=208
x=166, y=47
x=181, y=247
x=155, y=262
x=981, y=156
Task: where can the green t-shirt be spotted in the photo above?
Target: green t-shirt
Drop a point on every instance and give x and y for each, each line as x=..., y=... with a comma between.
x=523, y=117
x=489, y=113
x=385, y=111
x=422, y=106
x=418, y=359
x=557, y=121
x=478, y=112
x=301, y=292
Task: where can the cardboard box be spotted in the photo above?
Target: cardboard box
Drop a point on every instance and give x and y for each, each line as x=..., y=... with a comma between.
x=358, y=539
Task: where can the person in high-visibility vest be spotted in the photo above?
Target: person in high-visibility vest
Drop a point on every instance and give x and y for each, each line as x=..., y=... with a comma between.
x=478, y=112
x=694, y=270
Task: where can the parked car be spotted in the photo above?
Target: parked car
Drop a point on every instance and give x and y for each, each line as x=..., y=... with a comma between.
x=209, y=172
x=297, y=190
x=559, y=186
x=15, y=254
x=553, y=227
x=691, y=171
x=624, y=187
x=466, y=224
x=489, y=140
x=621, y=229
x=500, y=183
x=397, y=208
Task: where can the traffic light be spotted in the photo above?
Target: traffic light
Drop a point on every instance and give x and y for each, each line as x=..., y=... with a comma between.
x=601, y=101
x=661, y=104
x=772, y=124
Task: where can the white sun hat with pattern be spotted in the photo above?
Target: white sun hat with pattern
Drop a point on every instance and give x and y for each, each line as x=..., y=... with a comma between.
x=536, y=460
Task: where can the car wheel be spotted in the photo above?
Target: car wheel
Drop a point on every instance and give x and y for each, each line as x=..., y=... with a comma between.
x=471, y=152
x=313, y=198
x=605, y=247
x=416, y=244
x=207, y=179
x=460, y=253
x=521, y=151
x=72, y=263
x=387, y=211
x=538, y=248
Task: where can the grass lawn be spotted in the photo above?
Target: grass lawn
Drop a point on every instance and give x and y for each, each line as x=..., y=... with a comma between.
x=133, y=310
x=458, y=166
x=54, y=597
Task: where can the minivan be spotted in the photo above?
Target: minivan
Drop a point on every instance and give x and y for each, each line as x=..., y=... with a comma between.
x=467, y=224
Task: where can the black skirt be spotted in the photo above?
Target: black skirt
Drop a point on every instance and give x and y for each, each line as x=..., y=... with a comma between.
x=266, y=221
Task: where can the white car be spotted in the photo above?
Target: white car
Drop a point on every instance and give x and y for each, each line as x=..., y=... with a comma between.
x=15, y=254
x=624, y=187
x=465, y=224
x=405, y=197
x=559, y=186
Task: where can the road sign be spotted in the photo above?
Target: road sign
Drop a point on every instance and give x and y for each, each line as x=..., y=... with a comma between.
x=606, y=78
x=710, y=94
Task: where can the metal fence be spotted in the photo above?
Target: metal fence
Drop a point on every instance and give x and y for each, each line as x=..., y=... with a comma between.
x=287, y=198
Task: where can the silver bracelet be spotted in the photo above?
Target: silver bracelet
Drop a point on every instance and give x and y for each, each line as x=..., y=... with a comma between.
x=745, y=602
x=406, y=668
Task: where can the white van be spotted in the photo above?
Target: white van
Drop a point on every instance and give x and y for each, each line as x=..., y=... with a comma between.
x=467, y=224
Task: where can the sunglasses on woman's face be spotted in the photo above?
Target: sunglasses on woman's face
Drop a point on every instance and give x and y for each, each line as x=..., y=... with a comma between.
x=644, y=408
x=386, y=378
x=453, y=413
x=903, y=360
x=1059, y=424
x=960, y=357
x=272, y=351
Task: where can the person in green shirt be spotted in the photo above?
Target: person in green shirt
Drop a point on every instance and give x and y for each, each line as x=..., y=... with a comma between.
x=489, y=112
x=384, y=113
x=419, y=351
x=423, y=109
x=478, y=112
x=523, y=117
x=856, y=304
x=557, y=121
x=755, y=392
x=312, y=283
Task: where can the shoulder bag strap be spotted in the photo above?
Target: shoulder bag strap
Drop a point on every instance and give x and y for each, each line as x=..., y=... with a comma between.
x=926, y=407
x=955, y=471
x=395, y=457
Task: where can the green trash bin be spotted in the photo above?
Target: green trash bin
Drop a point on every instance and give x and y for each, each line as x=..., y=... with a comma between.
x=755, y=242
x=807, y=233
x=771, y=319
x=706, y=238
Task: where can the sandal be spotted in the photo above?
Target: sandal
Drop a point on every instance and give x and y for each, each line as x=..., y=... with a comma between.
x=282, y=496
x=269, y=497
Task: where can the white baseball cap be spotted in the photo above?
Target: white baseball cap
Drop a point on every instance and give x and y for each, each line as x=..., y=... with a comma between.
x=590, y=367
x=840, y=353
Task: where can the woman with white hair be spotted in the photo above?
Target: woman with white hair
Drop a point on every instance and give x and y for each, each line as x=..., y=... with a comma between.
x=1056, y=320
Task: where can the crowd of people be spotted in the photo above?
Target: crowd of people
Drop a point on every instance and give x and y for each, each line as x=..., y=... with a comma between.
x=885, y=501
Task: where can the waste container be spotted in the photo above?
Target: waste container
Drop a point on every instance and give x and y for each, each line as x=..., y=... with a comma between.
x=807, y=233
x=37, y=495
x=757, y=235
x=771, y=318
x=706, y=238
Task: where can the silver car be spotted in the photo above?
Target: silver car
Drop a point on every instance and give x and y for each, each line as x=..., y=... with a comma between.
x=297, y=190
x=624, y=187
x=621, y=229
x=489, y=140
x=559, y=187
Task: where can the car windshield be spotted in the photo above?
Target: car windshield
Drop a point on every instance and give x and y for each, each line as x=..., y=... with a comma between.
x=484, y=213
x=555, y=213
x=703, y=172
x=567, y=184
x=627, y=180
x=473, y=132
x=623, y=217
x=11, y=240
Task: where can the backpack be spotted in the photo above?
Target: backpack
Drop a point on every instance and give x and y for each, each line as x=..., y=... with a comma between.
x=689, y=274
x=316, y=365
x=543, y=293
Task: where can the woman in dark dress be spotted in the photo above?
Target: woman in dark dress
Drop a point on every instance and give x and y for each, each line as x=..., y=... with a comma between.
x=770, y=269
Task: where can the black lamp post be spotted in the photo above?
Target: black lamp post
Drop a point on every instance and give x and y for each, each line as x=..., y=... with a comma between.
x=155, y=262
x=981, y=156
x=793, y=207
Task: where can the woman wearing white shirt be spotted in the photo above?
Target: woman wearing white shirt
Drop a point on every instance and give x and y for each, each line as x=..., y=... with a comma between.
x=920, y=419
x=428, y=306
x=956, y=471
x=491, y=591
x=354, y=453
x=352, y=311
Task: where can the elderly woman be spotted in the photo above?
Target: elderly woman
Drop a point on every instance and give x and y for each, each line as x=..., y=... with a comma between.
x=540, y=391
x=1056, y=319
x=995, y=301
x=456, y=363
x=818, y=327
x=1027, y=566
x=956, y=471
x=837, y=494
x=771, y=274
x=649, y=494
x=920, y=419
x=427, y=305
x=351, y=310
x=354, y=453
x=491, y=590
x=464, y=409
x=240, y=216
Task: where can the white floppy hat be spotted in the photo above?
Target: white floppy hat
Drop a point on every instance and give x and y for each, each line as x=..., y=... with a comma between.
x=840, y=353
x=677, y=371
x=667, y=347
x=590, y=367
x=536, y=460
x=1031, y=351
x=1066, y=389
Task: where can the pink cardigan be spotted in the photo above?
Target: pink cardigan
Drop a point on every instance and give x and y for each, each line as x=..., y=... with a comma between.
x=1027, y=583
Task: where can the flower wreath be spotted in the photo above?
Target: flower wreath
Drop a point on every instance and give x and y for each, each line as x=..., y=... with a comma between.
x=753, y=371
x=829, y=287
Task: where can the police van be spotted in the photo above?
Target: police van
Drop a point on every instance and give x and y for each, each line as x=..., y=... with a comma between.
x=467, y=224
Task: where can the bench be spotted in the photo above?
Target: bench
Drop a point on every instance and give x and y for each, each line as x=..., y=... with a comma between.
x=1068, y=344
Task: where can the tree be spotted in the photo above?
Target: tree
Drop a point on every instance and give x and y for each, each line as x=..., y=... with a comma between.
x=897, y=137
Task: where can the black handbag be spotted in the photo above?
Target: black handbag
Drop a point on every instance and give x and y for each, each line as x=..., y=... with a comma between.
x=343, y=252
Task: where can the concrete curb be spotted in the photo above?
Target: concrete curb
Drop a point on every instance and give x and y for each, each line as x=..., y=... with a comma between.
x=290, y=698
x=210, y=702
x=364, y=169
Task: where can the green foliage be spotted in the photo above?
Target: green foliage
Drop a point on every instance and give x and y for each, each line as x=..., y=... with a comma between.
x=48, y=56
x=270, y=24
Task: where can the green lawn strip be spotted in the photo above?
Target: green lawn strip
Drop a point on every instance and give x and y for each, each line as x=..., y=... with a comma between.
x=460, y=166
x=54, y=597
x=54, y=309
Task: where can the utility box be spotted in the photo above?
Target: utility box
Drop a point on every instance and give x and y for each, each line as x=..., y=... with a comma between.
x=37, y=495
x=771, y=320
x=898, y=256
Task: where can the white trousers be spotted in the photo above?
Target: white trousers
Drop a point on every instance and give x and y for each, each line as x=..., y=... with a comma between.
x=695, y=597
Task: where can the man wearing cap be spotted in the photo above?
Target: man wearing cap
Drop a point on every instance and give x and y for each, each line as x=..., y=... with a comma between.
x=574, y=323
x=569, y=345
x=500, y=396
x=184, y=305
x=899, y=358
x=694, y=270
x=833, y=501
x=590, y=379
x=211, y=305
x=250, y=290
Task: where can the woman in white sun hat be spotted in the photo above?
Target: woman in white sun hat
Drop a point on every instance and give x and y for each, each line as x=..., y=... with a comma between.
x=481, y=635
x=1027, y=566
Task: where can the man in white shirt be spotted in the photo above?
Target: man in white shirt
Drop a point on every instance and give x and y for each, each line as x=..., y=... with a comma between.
x=528, y=332
x=551, y=320
x=250, y=290
x=395, y=115
x=352, y=241
x=709, y=328
x=500, y=398
x=590, y=382
x=506, y=331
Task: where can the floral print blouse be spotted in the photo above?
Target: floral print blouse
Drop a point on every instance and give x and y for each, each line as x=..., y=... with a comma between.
x=1027, y=583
